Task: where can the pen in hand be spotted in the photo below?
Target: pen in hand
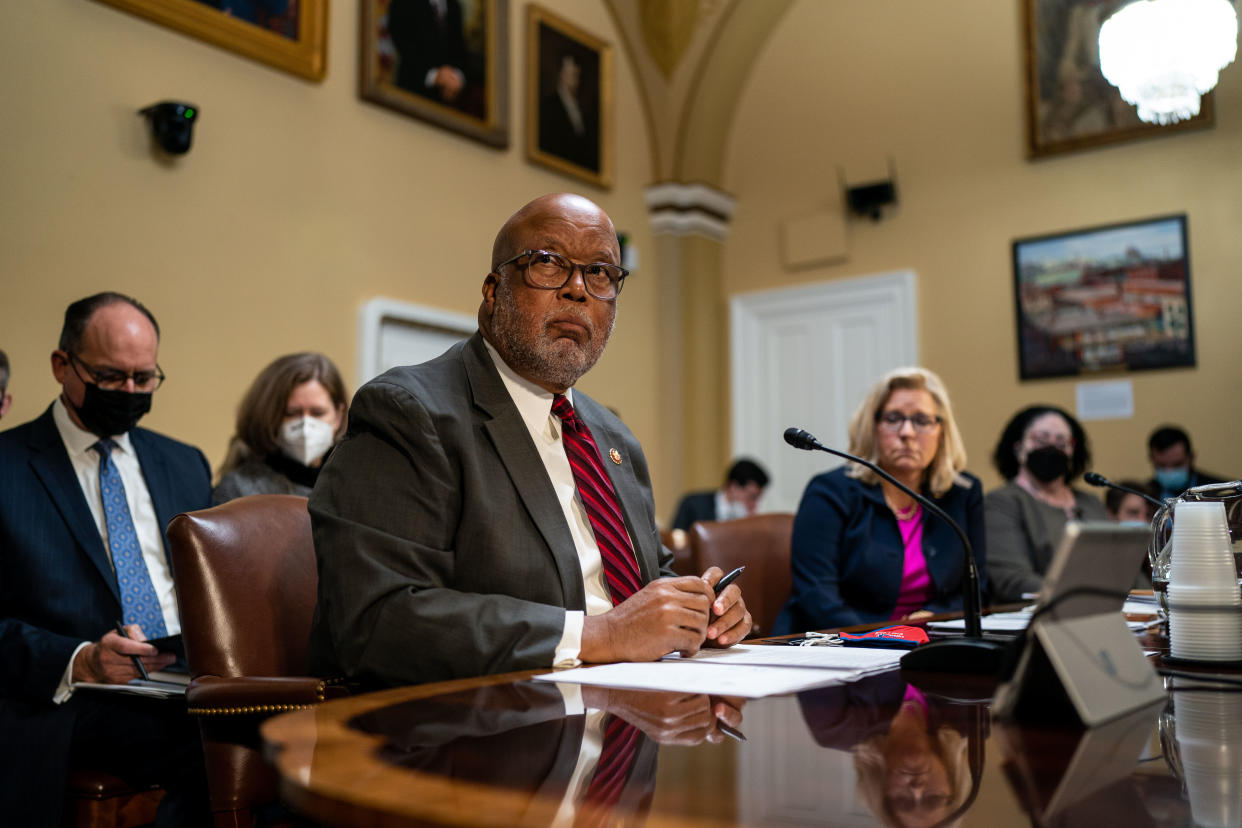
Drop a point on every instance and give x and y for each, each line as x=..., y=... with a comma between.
x=142, y=670
x=728, y=579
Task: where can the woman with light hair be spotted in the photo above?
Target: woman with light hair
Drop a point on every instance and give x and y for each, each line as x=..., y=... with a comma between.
x=910, y=749
x=863, y=550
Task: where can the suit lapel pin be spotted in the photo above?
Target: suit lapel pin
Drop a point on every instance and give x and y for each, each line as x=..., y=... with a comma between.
x=615, y=455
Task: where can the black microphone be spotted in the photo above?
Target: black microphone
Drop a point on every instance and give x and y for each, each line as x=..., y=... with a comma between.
x=969, y=654
x=1100, y=480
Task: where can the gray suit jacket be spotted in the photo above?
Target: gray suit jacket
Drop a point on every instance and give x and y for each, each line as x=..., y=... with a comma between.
x=443, y=551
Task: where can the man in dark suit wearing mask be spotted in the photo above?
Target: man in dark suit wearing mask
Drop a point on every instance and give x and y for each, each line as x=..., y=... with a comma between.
x=481, y=514
x=84, y=499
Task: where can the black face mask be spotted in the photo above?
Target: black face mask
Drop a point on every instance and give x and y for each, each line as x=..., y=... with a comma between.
x=1047, y=464
x=108, y=413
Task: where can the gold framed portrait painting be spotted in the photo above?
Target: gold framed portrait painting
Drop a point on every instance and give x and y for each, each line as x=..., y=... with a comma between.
x=291, y=35
x=568, y=98
x=1070, y=104
x=441, y=61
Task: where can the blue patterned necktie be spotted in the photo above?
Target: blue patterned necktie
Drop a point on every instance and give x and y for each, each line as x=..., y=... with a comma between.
x=139, y=604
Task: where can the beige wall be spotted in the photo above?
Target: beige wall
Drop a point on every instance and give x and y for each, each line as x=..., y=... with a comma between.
x=938, y=87
x=298, y=203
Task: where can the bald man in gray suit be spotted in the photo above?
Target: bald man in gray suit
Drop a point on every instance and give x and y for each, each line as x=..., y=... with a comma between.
x=453, y=532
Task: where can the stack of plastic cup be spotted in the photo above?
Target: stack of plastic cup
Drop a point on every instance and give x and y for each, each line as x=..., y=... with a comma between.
x=1205, y=609
x=1209, y=742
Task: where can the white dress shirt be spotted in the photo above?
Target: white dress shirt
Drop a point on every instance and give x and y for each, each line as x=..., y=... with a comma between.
x=535, y=406
x=85, y=460
x=588, y=753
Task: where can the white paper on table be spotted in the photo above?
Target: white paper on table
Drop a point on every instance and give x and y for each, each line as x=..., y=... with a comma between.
x=1139, y=607
x=996, y=622
x=745, y=680
x=137, y=687
x=1015, y=622
x=832, y=657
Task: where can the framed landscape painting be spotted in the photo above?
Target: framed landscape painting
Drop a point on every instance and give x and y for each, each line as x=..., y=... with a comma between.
x=289, y=34
x=1070, y=105
x=441, y=61
x=1114, y=297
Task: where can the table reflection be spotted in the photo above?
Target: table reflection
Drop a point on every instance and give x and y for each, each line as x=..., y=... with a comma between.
x=912, y=750
x=514, y=751
x=581, y=755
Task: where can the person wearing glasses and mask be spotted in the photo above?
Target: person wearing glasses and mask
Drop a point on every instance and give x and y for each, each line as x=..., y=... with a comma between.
x=84, y=498
x=483, y=515
x=1040, y=452
x=865, y=551
x=288, y=422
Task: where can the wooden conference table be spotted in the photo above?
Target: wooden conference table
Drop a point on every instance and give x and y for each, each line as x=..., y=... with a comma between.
x=501, y=750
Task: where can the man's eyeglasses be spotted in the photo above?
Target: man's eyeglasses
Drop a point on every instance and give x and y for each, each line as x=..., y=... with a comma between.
x=110, y=379
x=894, y=421
x=546, y=270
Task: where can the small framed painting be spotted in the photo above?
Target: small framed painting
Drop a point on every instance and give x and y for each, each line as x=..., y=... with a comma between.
x=441, y=61
x=568, y=98
x=1113, y=297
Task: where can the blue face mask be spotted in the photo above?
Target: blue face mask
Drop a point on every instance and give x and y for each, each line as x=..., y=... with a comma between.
x=1141, y=523
x=1173, y=480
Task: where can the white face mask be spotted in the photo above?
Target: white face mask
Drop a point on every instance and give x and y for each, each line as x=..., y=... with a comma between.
x=305, y=440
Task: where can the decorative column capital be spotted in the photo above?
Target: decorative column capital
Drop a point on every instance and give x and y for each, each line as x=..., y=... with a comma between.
x=681, y=209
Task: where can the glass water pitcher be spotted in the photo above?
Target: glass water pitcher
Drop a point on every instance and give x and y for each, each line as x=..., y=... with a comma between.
x=1160, y=547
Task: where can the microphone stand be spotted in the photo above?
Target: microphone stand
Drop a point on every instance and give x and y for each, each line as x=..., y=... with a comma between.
x=1100, y=480
x=967, y=654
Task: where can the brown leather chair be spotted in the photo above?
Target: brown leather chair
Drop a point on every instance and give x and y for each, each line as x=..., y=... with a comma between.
x=247, y=584
x=97, y=799
x=761, y=543
x=678, y=542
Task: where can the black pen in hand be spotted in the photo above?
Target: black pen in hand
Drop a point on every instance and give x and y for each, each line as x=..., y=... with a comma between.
x=728, y=579
x=142, y=670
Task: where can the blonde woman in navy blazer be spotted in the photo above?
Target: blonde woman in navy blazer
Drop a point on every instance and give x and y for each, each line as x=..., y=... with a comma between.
x=857, y=539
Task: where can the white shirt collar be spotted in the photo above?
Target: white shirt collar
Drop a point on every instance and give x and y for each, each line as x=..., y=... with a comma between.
x=78, y=441
x=533, y=402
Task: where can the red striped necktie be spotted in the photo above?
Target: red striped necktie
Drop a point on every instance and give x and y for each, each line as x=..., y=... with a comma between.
x=616, y=760
x=599, y=500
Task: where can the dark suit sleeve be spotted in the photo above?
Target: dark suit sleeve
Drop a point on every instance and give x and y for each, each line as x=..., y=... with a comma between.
x=52, y=597
x=682, y=519
x=818, y=556
x=422, y=577
x=977, y=533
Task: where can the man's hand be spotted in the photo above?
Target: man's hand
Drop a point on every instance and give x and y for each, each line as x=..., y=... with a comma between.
x=449, y=81
x=666, y=615
x=730, y=622
x=668, y=718
x=108, y=660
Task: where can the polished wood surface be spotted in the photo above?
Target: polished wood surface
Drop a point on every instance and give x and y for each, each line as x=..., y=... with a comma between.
x=499, y=751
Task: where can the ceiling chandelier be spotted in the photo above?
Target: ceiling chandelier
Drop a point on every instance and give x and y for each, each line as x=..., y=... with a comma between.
x=1163, y=54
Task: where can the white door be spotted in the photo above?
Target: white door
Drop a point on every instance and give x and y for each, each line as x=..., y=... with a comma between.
x=392, y=333
x=804, y=356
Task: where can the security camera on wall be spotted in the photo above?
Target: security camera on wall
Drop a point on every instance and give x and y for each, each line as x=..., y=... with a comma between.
x=870, y=199
x=867, y=194
x=172, y=125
